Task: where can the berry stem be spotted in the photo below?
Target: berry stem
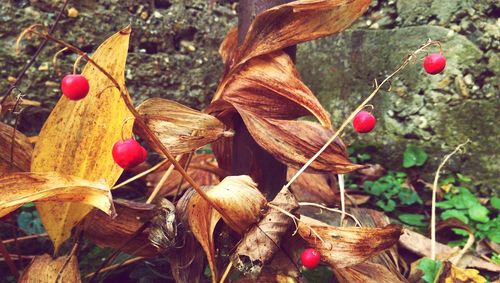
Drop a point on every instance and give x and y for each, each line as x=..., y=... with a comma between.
x=411, y=57
x=141, y=123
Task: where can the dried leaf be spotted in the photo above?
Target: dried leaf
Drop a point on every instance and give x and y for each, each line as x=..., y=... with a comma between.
x=347, y=246
x=366, y=272
x=78, y=136
x=44, y=269
x=290, y=24
x=263, y=240
x=21, y=188
x=269, y=86
x=23, y=150
x=238, y=196
x=180, y=128
x=295, y=142
x=106, y=231
x=459, y=275
x=315, y=188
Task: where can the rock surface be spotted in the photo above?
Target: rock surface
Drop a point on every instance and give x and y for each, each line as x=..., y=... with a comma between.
x=174, y=54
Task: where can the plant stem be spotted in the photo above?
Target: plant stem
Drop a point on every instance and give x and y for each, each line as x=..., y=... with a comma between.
x=162, y=181
x=25, y=238
x=37, y=52
x=434, y=192
x=360, y=107
x=8, y=260
x=117, y=265
x=140, y=175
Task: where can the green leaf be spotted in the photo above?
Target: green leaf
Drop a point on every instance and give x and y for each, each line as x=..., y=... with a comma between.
x=414, y=156
x=453, y=213
x=364, y=156
x=495, y=258
x=463, y=178
x=430, y=269
x=495, y=203
x=460, y=232
x=479, y=213
x=388, y=207
x=30, y=222
x=409, y=197
x=413, y=219
x=447, y=180
x=494, y=235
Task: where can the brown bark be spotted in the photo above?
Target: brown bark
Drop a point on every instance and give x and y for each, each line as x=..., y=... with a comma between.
x=248, y=156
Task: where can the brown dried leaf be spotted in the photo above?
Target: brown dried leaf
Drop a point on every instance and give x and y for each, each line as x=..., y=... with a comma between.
x=347, y=246
x=78, y=136
x=317, y=188
x=239, y=197
x=45, y=269
x=180, y=128
x=106, y=231
x=366, y=272
x=293, y=23
x=263, y=240
x=21, y=188
x=22, y=150
x=295, y=142
x=269, y=86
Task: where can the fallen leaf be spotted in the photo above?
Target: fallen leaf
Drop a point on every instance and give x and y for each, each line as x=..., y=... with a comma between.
x=239, y=197
x=366, y=272
x=21, y=188
x=22, y=150
x=45, y=269
x=346, y=246
x=117, y=232
x=459, y=275
x=180, y=128
x=78, y=136
x=263, y=240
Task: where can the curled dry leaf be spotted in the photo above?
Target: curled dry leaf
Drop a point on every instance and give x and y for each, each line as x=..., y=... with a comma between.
x=22, y=150
x=106, y=231
x=78, y=136
x=347, y=246
x=239, y=197
x=45, y=269
x=290, y=24
x=263, y=240
x=20, y=188
x=180, y=128
x=366, y=272
x=317, y=188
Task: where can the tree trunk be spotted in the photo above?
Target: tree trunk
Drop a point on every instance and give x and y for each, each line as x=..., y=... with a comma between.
x=248, y=156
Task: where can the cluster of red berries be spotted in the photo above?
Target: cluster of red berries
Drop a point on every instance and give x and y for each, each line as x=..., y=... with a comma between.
x=126, y=153
x=364, y=121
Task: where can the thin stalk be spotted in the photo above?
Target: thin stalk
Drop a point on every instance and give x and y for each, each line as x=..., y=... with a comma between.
x=162, y=181
x=140, y=175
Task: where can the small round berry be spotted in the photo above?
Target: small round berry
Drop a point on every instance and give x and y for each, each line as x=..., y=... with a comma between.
x=310, y=258
x=364, y=122
x=434, y=63
x=75, y=87
x=129, y=153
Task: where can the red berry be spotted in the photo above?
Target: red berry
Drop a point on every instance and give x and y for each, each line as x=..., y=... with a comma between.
x=75, y=87
x=129, y=153
x=434, y=63
x=364, y=122
x=310, y=258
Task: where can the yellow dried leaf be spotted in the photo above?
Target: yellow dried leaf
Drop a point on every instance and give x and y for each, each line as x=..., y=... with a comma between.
x=22, y=150
x=180, y=128
x=78, y=136
x=44, y=269
x=458, y=274
x=20, y=188
x=239, y=197
x=347, y=246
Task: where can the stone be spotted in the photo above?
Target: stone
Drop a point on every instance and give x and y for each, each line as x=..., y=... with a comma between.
x=428, y=111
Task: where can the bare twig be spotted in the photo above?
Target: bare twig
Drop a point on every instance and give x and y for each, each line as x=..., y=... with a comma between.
x=407, y=61
x=117, y=265
x=25, y=238
x=37, y=52
x=162, y=181
x=140, y=175
x=434, y=192
x=8, y=260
